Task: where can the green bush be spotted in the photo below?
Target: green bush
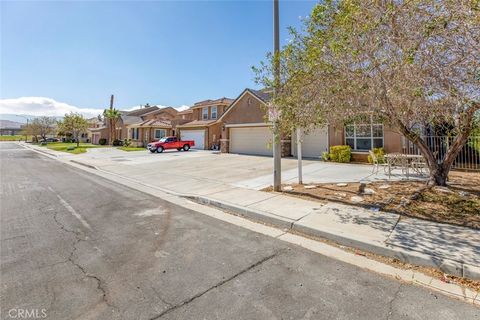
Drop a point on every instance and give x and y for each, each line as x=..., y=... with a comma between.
x=325, y=156
x=102, y=141
x=127, y=142
x=380, y=153
x=340, y=153
x=117, y=142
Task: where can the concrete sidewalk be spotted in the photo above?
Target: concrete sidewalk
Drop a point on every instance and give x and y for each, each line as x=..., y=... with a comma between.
x=452, y=249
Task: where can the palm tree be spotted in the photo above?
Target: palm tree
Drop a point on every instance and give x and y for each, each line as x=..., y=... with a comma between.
x=112, y=115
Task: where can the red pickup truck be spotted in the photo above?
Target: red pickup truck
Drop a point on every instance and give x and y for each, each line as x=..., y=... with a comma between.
x=170, y=143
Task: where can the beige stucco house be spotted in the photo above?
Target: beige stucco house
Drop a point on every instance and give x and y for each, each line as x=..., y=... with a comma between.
x=205, y=128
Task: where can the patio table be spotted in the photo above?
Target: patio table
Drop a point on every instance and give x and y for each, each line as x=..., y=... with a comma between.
x=400, y=160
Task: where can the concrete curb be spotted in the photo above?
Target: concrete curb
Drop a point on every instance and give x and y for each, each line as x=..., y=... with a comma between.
x=266, y=217
x=409, y=256
x=39, y=150
x=84, y=164
x=452, y=267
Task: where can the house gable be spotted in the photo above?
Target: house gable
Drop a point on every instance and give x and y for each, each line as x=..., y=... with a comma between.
x=247, y=108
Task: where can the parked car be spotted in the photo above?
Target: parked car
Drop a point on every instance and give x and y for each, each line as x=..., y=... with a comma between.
x=49, y=140
x=170, y=143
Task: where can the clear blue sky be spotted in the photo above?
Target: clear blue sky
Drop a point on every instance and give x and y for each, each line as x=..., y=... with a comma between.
x=171, y=53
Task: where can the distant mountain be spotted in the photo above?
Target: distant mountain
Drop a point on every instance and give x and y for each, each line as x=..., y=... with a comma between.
x=20, y=118
x=10, y=124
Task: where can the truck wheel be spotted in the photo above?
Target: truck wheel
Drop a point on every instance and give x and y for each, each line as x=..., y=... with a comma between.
x=186, y=147
x=159, y=149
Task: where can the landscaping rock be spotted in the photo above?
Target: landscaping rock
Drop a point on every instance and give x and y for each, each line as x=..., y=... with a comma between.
x=356, y=199
x=342, y=184
x=287, y=188
x=384, y=186
x=340, y=194
x=310, y=187
x=442, y=189
x=368, y=191
x=463, y=193
x=404, y=202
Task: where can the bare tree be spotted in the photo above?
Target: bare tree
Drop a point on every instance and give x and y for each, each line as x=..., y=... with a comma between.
x=414, y=64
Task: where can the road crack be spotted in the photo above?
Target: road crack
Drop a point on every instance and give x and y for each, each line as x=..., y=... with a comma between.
x=219, y=284
x=390, y=303
x=101, y=286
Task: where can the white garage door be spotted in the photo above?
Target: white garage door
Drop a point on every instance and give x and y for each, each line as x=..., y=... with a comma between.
x=254, y=140
x=196, y=135
x=313, y=143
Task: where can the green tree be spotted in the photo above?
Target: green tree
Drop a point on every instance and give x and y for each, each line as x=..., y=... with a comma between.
x=74, y=124
x=411, y=63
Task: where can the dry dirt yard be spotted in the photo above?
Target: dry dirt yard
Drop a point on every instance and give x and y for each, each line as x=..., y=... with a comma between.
x=457, y=204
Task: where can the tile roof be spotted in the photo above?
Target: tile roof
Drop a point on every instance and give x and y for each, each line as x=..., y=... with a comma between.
x=198, y=123
x=265, y=95
x=153, y=123
x=159, y=110
x=96, y=129
x=141, y=111
x=127, y=119
x=223, y=100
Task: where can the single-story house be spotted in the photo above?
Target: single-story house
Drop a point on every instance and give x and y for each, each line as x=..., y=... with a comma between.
x=205, y=128
x=246, y=130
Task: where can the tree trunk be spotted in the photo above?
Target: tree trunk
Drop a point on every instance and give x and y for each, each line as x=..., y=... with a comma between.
x=439, y=170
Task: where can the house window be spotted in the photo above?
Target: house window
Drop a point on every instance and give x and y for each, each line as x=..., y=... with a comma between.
x=214, y=112
x=364, y=135
x=135, y=134
x=204, y=113
x=160, y=133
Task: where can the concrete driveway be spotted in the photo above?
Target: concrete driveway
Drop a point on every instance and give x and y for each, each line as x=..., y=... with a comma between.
x=244, y=171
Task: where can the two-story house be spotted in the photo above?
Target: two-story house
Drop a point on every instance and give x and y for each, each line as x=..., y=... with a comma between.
x=152, y=126
x=205, y=128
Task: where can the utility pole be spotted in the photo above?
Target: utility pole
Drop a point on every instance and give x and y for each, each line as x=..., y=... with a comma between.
x=277, y=148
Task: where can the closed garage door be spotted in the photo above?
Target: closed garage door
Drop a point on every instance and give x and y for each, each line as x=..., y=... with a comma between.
x=313, y=144
x=254, y=140
x=196, y=135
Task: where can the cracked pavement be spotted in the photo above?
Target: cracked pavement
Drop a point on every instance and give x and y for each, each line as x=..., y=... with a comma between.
x=110, y=252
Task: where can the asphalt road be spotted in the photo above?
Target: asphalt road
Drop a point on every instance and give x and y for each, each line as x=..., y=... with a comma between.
x=76, y=246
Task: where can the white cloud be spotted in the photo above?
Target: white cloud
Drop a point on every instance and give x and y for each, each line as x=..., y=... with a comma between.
x=42, y=106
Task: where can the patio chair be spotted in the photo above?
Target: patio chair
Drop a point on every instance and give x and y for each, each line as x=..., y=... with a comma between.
x=420, y=165
x=376, y=162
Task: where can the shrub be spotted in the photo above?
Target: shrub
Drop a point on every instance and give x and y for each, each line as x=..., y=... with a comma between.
x=340, y=153
x=102, y=141
x=117, y=142
x=127, y=142
x=380, y=153
x=325, y=156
